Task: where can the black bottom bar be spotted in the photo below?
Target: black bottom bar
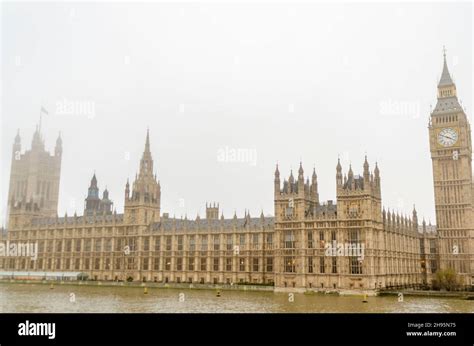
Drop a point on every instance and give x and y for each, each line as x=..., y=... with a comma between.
x=221, y=329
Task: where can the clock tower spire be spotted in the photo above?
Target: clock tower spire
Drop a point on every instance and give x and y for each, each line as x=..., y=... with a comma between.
x=451, y=154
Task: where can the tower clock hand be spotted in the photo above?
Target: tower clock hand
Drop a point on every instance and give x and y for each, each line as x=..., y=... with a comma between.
x=447, y=137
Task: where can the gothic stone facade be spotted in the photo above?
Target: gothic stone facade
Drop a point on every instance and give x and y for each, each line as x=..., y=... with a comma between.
x=304, y=229
x=288, y=250
x=307, y=245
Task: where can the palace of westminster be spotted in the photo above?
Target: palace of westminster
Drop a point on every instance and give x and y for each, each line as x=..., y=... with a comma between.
x=289, y=250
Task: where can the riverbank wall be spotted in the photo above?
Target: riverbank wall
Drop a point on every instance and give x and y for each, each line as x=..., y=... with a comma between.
x=240, y=287
x=426, y=293
x=233, y=287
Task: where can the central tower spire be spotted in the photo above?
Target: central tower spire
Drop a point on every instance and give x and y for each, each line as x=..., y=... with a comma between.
x=143, y=206
x=147, y=142
x=146, y=163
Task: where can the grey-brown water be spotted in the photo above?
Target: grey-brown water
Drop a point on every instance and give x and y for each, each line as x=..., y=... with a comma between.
x=63, y=298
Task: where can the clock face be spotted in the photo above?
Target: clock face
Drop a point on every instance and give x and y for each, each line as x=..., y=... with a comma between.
x=447, y=137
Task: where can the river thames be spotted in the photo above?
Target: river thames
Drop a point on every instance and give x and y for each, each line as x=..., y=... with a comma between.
x=64, y=298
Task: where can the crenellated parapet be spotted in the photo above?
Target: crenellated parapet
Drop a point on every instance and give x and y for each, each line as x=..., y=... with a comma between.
x=198, y=225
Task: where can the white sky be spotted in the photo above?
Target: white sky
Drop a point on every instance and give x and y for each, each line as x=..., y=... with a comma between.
x=288, y=81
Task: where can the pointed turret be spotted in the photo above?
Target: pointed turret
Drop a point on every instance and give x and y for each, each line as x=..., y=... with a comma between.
x=366, y=170
x=377, y=176
x=291, y=179
x=92, y=200
x=338, y=167
x=314, y=186
x=338, y=173
x=93, y=181
x=58, y=149
x=415, y=217
x=276, y=183
x=127, y=190
x=350, y=178
x=17, y=145
x=291, y=183
x=105, y=205
x=300, y=184
x=301, y=172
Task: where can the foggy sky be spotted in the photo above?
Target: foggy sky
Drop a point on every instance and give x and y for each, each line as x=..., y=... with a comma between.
x=284, y=82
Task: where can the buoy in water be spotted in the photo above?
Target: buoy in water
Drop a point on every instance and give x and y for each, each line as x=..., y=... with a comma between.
x=365, y=299
x=145, y=290
x=218, y=294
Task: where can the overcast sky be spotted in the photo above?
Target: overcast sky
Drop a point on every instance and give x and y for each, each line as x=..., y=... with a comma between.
x=282, y=82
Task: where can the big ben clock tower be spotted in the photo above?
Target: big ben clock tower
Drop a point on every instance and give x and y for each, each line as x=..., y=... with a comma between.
x=451, y=154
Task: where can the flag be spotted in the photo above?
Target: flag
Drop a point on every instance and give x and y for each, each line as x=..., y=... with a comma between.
x=43, y=110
